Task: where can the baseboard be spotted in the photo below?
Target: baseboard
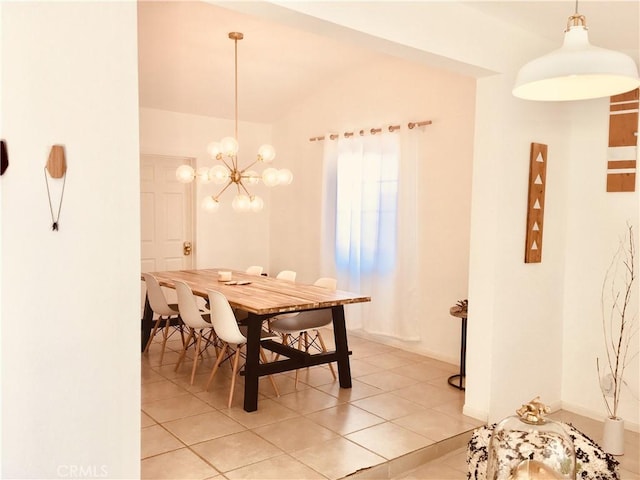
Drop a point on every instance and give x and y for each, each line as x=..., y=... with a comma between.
x=404, y=345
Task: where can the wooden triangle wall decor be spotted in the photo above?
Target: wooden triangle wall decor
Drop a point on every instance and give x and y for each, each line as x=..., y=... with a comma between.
x=535, y=204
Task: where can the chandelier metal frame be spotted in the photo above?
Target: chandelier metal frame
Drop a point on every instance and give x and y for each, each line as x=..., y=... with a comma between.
x=228, y=172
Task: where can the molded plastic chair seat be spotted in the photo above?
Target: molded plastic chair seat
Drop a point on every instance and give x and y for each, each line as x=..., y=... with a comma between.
x=302, y=321
x=254, y=270
x=166, y=312
x=289, y=275
x=299, y=324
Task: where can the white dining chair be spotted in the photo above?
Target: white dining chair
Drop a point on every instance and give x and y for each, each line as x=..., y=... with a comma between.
x=198, y=323
x=295, y=327
x=254, y=270
x=166, y=313
x=288, y=275
x=232, y=338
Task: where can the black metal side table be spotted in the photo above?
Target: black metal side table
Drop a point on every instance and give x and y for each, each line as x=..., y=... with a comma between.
x=457, y=380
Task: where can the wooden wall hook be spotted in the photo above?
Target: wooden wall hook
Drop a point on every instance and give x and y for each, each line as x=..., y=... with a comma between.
x=57, y=163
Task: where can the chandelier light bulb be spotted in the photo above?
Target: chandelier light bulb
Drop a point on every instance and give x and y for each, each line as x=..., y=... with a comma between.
x=229, y=146
x=219, y=174
x=270, y=177
x=241, y=203
x=285, y=177
x=214, y=149
x=256, y=204
x=266, y=153
x=210, y=204
x=185, y=173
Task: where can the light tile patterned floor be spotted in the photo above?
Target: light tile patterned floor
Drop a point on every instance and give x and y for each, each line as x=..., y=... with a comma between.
x=401, y=420
x=400, y=403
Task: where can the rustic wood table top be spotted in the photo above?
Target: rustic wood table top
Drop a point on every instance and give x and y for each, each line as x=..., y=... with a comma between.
x=262, y=295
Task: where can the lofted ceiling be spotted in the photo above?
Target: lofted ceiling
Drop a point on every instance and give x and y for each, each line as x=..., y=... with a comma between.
x=186, y=60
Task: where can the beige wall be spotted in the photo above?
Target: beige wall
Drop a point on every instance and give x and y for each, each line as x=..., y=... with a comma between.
x=224, y=238
x=389, y=92
x=520, y=313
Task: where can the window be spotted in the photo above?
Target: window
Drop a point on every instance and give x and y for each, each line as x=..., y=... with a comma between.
x=369, y=226
x=367, y=203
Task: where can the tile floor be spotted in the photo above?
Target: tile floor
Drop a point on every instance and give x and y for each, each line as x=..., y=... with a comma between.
x=401, y=420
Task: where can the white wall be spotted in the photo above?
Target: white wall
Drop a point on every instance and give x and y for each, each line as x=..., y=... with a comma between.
x=70, y=350
x=224, y=238
x=70, y=314
x=390, y=92
x=515, y=351
x=596, y=222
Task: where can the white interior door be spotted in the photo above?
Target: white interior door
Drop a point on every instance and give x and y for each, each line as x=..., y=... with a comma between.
x=166, y=218
x=166, y=215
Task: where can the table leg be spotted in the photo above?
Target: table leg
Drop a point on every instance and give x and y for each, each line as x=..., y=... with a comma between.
x=251, y=378
x=147, y=323
x=342, y=348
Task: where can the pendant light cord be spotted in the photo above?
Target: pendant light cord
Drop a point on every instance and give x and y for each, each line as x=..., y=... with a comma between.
x=56, y=218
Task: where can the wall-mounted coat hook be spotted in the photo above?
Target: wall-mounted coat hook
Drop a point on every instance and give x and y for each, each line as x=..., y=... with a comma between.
x=57, y=168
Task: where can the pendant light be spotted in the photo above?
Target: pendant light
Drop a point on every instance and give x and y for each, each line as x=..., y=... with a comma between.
x=577, y=70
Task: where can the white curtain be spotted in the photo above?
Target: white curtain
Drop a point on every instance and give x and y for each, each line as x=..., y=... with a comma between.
x=369, y=230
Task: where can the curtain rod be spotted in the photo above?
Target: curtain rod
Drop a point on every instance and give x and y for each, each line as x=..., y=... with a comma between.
x=372, y=131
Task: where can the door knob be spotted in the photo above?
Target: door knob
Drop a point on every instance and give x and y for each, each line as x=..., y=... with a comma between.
x=186, y=248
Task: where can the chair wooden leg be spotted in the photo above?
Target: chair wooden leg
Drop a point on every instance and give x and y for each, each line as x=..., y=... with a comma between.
x=216, y=343
x=285, y=341
x=271, y=379
x=153, y=334
x=236, y=360
x=180, y=325
x=184, y=350
x=211, y=340
x=217, y=364
x=165, y=336
x=195, y=360
x=324, y=349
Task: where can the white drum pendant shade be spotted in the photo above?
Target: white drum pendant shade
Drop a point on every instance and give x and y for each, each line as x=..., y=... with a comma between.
x=576, y=71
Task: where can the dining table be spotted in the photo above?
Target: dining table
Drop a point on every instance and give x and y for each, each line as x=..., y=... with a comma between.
x=263, y=297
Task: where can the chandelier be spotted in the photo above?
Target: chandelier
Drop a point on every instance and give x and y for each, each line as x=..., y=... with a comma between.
x=228, y=172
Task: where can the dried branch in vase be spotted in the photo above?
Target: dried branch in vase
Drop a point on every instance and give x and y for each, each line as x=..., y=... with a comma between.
x=619, y=322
